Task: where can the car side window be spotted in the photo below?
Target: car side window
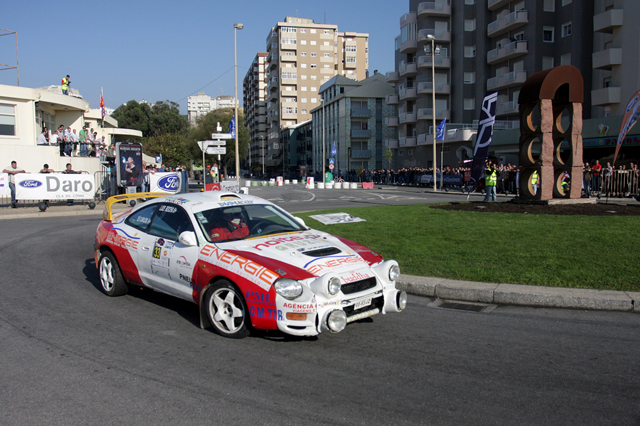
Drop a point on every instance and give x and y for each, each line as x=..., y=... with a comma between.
x=170, y=221
x=142, y=218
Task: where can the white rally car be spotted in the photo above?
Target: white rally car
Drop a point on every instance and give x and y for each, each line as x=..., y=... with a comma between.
x=245, y=262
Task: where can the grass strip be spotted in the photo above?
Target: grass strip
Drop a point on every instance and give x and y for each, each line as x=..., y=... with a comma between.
x=596, y=252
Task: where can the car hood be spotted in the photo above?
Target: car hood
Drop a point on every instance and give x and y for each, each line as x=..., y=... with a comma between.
x=305, y=254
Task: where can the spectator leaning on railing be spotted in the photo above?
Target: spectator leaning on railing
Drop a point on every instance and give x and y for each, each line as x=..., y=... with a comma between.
x=12, y=171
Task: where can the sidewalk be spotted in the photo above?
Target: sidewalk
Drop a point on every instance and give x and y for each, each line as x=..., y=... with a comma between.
x=441, y=288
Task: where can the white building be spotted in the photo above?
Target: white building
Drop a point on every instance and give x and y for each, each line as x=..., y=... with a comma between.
x=23, y=113
x=202, y=104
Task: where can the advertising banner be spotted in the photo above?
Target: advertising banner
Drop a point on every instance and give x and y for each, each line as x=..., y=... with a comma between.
x=485, y=133
x=165, y=182
x=129, y=161
x=629, y=120
x=309, y=183
x=4, y=185
x=54, y=186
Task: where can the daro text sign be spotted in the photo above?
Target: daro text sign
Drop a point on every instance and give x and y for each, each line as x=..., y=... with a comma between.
x=54, y=186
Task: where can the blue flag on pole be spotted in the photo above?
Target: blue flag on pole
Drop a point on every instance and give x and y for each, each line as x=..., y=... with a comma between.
x=334, y=151
x=440, y=130
x=232, y=127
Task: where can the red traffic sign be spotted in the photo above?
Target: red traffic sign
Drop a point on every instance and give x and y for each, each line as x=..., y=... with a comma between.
x=331, y=166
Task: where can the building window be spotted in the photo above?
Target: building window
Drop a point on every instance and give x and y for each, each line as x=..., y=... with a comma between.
x=314, y=77
x=327, y=55
x=400, y=153
x=566, y=2
x=547, y=34
x=304, y=88
x=469, y=77
x=303, y=41
x=314, y=100
x=547, y=62
x=303, y=77
x=566, y=29
x=288, y=40
x=303, y=100
x=313, y=42
x=8, y=120
x=469, y=103
x=303, y=54
x=314, y=89
x=469, y=1
x=469, y=51
x=549, y=5
x=304, y=111
x=313, y=66
x=314, y=54
x=327, y=32
x=303, y=65
x=409, y=151
x=313, y=31
x=303, y=30
x=565, y=59
x=469, y=24
x=606, y=82
x=350, y=49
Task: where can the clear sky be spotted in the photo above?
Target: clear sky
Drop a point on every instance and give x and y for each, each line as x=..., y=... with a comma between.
x=168, y=50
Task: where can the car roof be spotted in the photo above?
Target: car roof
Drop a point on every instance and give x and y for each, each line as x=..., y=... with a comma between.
x=199, y=201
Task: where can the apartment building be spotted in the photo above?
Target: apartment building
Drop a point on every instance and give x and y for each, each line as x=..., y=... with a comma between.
x=495, y=45
x=254, y=100
x=353, y=117
x=302, y=55
x=202, y=104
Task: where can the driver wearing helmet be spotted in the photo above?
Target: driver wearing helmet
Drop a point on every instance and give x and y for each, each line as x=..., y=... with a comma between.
x=229, y=225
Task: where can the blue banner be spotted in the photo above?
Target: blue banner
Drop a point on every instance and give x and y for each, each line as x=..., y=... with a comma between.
x=485, y=132
x=232, y=127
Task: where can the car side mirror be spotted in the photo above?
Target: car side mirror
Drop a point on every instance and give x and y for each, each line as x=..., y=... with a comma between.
x=300, y=221
x=188, y=238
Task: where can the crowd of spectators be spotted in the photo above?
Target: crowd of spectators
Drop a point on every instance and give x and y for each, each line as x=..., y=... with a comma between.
x=85, y=143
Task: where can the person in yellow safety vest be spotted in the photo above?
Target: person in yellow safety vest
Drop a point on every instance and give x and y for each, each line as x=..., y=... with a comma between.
x=65, y=85
x=534, y=181
x=490, y=182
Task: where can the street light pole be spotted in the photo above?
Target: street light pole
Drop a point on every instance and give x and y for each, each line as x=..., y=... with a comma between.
x=236, y=27
x=323, y=156
x=262, y=150
x=433, y=99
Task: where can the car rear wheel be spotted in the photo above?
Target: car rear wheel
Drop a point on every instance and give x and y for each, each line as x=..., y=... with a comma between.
x=111, y=278
x=226, y=310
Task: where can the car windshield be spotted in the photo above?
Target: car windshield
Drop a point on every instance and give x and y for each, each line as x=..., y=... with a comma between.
x=245, y=221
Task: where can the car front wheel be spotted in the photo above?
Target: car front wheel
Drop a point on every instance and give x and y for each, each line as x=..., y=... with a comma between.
x=227, y=310
x=111, y=278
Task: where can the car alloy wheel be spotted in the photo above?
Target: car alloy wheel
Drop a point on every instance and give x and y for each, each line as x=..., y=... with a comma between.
x=111, y=279
x=227, y=310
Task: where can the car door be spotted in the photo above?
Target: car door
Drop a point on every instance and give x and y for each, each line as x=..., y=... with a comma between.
x=165, y=262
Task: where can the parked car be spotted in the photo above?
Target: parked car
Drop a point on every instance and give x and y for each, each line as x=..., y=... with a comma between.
x=245, y=262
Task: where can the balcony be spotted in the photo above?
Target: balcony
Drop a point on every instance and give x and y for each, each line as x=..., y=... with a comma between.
x=508, y=51
x=360, y=153
x=407, y=141
x=440, y=36
x=407, y=117
x=327, y=48
x=429, y=8
x=391, y=143
x=409, y=46
x=606, y=96
x=426, y=87
x=408, y=70
x=391, y=100
x=393, y=77
x=289, y=115
x=607, y=59
x=360, y=113
x=288, y=58
x=391, y=121
x=408, y=18
x=360, y=134
x=424, y=62
x=407, y=93
x=507, y=108
x=327, y=71
x=497, y=4
x=510, y=79
x=510, y=22
x=605, y=22
x=288, y=93
x=287, y=45
x=427, y=114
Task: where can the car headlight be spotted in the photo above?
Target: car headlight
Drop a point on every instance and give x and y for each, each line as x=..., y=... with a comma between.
x=288, y=288
x=337, y=321
x=334, y=286
x=394, y=272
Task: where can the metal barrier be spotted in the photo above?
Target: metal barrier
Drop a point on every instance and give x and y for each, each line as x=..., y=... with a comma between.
x=621, y=183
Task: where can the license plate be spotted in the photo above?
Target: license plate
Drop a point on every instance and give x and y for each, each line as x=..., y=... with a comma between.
x=362, y=304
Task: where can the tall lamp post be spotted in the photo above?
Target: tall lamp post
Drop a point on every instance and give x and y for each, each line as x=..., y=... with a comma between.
x=236, y=27
x=262, y=150
x=323, y=156
x=433, y=99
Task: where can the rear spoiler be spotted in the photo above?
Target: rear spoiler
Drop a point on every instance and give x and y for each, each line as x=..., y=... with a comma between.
x=107, y=214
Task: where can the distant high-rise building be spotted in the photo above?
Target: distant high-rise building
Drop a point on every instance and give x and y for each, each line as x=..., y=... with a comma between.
x=302, y=55
x=255, y=91
x=495, y=45
x=203, y=104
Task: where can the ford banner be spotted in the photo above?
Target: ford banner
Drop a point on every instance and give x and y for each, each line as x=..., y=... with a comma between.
x=4, y=184
x=165, y=182
x=55, y=186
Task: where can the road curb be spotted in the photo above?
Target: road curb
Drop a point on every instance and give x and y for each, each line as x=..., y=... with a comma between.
x=521, y=295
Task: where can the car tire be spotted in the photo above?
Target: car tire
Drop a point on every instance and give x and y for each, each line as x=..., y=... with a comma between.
x=111, y=279
x=226, y=310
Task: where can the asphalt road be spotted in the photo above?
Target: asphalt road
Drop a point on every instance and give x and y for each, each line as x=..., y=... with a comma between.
x=73, y=356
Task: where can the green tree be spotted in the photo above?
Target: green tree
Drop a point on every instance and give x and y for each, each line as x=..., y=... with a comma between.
x=133, y=115
x=172, y=146
x=165, y=118
x=388, y=155
x=206, y=125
